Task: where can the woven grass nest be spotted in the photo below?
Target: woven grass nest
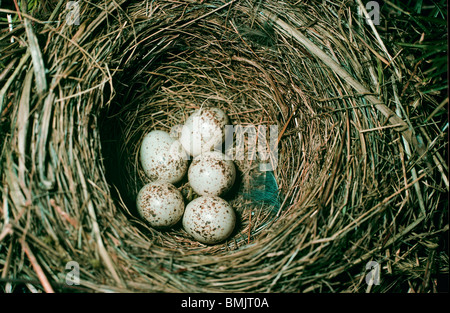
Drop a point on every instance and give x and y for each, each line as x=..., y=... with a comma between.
x=360, y=176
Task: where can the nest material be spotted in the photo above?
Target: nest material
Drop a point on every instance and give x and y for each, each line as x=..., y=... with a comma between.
x=358, y=178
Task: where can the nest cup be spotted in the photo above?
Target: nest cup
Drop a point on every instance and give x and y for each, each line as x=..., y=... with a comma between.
x=333, y=202
x=195, y=69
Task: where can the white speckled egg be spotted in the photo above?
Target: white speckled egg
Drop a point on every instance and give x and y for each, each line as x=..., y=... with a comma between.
x=210, y=174
x=209, y=220
x=162, y=157
x=160, y=204
x=203, y=130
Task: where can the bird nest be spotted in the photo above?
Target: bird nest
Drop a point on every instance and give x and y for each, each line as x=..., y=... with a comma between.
x=356, y=179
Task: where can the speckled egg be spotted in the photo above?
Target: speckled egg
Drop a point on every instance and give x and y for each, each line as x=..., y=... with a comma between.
x=210, y=174
x=203, y=130
x=162, y=157
x=160, y=204
x=209, y=220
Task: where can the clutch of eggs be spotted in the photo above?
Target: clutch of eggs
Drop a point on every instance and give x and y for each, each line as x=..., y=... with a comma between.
x=209, y=218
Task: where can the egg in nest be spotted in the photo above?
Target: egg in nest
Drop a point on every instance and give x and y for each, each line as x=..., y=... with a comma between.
x=203, y=130
x=162, y=157
x=160, y=204
x=211, y=174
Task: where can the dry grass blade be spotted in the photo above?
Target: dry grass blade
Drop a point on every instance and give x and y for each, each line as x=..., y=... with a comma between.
x=36, y=56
